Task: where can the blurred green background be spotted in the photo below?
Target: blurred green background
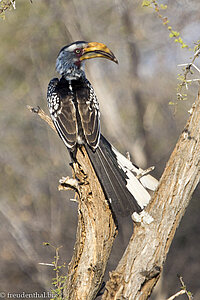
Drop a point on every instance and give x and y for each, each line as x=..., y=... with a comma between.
x=135, y=117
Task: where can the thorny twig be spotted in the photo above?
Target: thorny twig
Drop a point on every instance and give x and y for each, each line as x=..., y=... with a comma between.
x=187, y=70
x=177, y=39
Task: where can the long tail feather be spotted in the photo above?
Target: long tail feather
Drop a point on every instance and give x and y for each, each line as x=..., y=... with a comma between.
x=116, y=174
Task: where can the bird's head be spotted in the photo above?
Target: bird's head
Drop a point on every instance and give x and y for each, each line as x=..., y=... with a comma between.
x=71, y=58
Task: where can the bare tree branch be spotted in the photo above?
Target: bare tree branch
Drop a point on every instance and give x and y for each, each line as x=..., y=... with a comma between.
x=96, y=229
x=95, y=235
x=142, y=263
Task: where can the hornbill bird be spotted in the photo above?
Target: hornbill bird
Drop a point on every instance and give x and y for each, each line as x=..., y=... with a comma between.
x=74, y=109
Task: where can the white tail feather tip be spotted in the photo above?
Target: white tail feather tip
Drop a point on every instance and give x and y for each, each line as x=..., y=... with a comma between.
x=143, y=217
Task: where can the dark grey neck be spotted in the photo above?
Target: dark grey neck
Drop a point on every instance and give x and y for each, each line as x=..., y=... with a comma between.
x=69, y=71
x=73, y=74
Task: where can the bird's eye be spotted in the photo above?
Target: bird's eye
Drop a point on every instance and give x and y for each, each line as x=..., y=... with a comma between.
x=77, y=51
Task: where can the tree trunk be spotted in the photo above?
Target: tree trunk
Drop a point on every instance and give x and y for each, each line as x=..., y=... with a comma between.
x=141, y=265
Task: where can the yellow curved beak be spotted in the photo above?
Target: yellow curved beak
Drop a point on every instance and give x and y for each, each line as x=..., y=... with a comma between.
x=94, y=49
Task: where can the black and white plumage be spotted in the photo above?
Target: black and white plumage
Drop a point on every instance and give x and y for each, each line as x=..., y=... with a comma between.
x=74, y=110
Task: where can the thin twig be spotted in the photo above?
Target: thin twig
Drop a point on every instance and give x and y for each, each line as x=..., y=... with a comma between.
x=46, y=264
x=193, y=80
x=181, y=292
x=196, y=67
x=189, y=294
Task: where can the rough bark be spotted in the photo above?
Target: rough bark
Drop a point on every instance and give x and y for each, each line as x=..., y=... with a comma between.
x=95, y=235
x=142, y=262
x=96, y=229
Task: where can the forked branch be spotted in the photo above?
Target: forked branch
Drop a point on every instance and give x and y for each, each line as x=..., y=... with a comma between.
x=141, y=265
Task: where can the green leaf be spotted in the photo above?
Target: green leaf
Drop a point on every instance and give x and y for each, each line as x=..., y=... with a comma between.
x=162, y=6
x=146, y=3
